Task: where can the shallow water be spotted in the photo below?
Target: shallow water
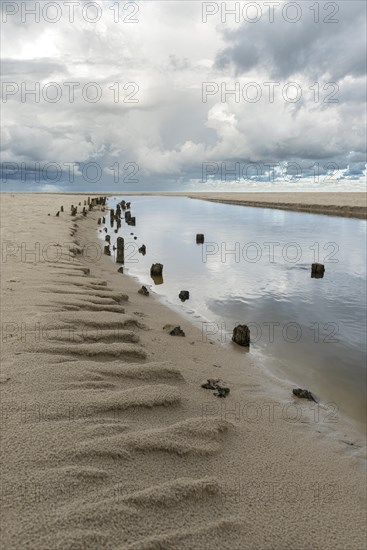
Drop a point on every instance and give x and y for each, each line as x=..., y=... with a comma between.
x=254, y=269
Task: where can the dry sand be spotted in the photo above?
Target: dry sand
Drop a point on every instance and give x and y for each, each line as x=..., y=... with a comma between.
x=110, y=442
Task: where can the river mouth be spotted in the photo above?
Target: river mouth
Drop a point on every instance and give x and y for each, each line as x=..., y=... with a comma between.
x=254, y=268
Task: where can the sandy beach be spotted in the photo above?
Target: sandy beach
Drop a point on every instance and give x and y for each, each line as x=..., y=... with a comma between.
x=109, y=440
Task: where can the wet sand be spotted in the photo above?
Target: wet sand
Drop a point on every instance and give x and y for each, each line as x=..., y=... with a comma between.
x=352, y=205
x=109, y=441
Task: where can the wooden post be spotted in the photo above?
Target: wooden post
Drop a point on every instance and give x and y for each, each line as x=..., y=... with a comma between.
x=156, y=270
x=241, y=335
x=317, y=271
x=120, y=256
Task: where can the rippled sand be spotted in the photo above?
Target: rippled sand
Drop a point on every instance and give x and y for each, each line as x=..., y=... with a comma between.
x=109, y=441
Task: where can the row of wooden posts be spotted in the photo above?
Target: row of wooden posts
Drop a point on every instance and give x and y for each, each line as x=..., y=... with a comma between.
x=115, y=217
x=90, y=203
x=241, y=333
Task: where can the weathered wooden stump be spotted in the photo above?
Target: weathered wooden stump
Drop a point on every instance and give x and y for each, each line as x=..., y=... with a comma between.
x=304, y=394
x=107, y=238
x=156, y=270
x=88, y=201
x=103, y=220
x=199, y=238
x=158, y=279
x=57, y=214
x=177, y=331
x=120, y=256
x=132, y=221
x=144, y=291
x=128, y=205
x=74, y=211
x=184, y=295
x=241, y=335
x=99, y=221
x=107, y=250
x=143, y=249
x=317, y=271
x=61, y=209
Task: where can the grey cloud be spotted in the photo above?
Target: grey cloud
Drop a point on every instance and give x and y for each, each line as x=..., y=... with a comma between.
x=171, y=132
x=284, y=49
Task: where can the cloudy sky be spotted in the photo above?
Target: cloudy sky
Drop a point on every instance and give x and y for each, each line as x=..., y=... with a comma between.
x=166, y=95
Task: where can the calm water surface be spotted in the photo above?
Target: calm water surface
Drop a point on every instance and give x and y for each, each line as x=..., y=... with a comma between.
x=254, y=268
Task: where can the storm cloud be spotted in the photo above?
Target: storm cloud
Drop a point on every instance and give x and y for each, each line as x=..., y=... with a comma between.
x=144, y=98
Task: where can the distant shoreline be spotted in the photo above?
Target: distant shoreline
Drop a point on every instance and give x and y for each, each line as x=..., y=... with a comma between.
x=346, y=205
x=329, y=210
